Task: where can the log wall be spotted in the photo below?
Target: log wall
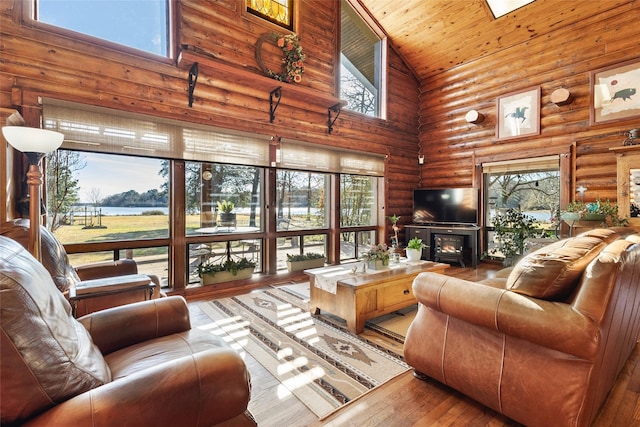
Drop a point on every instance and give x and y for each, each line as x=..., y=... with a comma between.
x=563, y=58
x=231, y=91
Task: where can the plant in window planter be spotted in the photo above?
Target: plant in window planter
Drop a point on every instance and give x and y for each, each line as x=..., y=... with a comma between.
x=378, y=257
x=230, y=269
x=227, y=217
x=304, y=261
x=511, y=229
x=605, y=212
x=414, y=249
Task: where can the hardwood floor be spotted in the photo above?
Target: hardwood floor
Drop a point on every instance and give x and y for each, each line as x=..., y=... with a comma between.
x=407, y=401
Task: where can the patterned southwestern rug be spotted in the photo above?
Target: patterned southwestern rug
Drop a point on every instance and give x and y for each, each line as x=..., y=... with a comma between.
x=315, y=358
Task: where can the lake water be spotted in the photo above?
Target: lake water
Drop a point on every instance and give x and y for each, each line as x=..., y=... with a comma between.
x=124, y=211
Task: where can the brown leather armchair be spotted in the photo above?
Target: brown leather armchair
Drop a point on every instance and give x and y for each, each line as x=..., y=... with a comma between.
x=82, y=284
x=542, y=345
x=138, y=364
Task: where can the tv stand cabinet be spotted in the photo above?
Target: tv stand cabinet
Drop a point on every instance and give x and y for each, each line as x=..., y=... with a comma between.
x=427, y=232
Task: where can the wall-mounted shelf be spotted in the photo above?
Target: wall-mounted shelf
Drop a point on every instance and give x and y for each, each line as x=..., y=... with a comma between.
x=212, y=68
x=625, y=148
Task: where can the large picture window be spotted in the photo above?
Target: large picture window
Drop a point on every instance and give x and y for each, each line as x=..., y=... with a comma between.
x=179, y=194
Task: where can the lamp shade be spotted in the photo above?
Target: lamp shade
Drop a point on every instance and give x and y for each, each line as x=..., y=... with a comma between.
x=32, y=140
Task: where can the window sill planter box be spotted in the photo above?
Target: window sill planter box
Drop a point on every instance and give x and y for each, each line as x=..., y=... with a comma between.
x=305, y=265
x=577, y=216
x=226, y=276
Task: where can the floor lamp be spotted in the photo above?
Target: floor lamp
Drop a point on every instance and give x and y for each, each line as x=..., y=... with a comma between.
x=35, y=143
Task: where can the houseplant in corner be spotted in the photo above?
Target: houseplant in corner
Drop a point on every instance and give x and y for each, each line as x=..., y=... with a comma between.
x=511, y=229
x=378, y=257
x=414, y=249
x=225, y=210
x=228, y=270
x=304, y=261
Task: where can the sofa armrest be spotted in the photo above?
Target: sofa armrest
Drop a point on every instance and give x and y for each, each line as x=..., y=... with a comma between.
x=122, y=326
x=98, y=270
x=206, y=388
x=553, y=325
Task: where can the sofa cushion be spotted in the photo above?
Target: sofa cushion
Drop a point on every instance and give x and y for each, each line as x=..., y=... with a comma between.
x=46, y=355
x=54, y=256
x=552, y=272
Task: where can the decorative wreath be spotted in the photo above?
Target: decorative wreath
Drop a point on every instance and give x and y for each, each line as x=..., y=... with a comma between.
x=292, y=60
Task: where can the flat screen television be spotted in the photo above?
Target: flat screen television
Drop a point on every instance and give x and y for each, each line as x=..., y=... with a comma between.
x=451, y=206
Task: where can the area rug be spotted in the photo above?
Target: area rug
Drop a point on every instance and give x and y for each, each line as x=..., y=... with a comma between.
x=317, y=361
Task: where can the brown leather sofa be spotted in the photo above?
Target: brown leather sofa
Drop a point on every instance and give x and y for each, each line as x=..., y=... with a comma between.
x=92, y=294
x=138, y=364
x=542, y=345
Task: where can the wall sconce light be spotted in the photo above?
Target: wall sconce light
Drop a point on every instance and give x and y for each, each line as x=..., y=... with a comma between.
x=35, y=143
x=474, y=117
x=633, y=137
x=561, y=96
x=581, y=190
x=421, y=159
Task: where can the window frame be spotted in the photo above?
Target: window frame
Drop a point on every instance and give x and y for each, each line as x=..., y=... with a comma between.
x=381, y=59
x=292, y=13
x=28, y=14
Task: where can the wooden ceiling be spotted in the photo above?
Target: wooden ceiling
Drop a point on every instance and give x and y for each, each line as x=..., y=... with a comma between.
x=436, y=35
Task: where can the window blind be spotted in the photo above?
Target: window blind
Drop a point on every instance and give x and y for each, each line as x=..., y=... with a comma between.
x=107, y=130
x=536, y=164
x=306, y=156
x=99, y=129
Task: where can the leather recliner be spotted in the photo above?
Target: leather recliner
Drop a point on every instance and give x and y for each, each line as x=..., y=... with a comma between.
x=542, y=345
x=137, y=364
x=102, y=294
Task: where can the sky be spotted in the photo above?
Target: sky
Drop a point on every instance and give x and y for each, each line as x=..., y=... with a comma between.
x=114, y=174
x=137, y=23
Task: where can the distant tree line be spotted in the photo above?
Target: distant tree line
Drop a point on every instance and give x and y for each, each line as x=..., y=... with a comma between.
x=132, y=198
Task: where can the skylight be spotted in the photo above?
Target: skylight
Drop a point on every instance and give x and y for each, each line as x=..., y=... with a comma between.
x=502, y=7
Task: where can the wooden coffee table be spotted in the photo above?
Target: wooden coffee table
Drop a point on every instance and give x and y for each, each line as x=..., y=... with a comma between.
x=362, y=296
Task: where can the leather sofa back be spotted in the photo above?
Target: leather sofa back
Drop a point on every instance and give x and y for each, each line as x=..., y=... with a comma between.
x=46, y=355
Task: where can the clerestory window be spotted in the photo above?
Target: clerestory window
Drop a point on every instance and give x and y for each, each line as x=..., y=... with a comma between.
x=362, y=53
x=140, y=24
x=280, y=12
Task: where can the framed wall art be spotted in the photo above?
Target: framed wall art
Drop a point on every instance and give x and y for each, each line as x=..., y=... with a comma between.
x=518, y=114
x=615, y=92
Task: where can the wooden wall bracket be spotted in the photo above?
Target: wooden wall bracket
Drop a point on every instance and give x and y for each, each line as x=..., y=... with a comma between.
x=337, y=108
x=193, y=79
x=273, y=105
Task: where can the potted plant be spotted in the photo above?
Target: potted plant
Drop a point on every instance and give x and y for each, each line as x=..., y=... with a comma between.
x=605, y=212
x=304, y=261
x=394, y=225
x=511, y=229
x=227, y=217
x=414, y=249
x=378, y=257
x=230, y=269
